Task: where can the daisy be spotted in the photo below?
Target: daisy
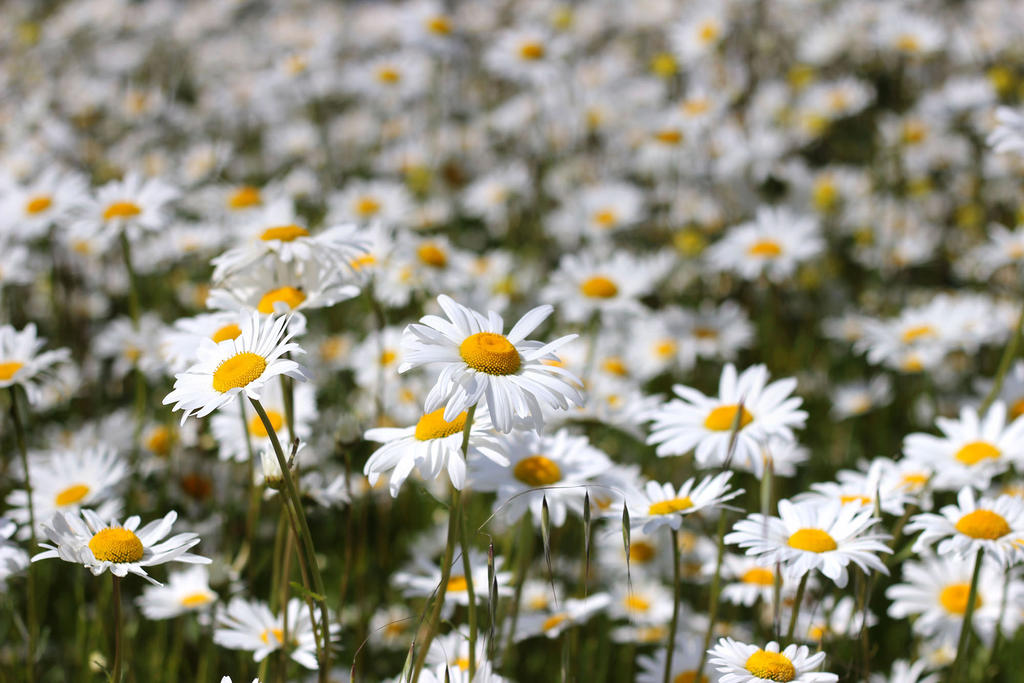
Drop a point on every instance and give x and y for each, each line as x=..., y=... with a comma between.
x=811, y=535
x=384, y=202
x=554, y=467
x=235, y=366
x=65, y=481
x=432, y=446
x=131, y=205
x=12, y=558
x=423, y=579
x=642, y=601
x=250, y=625
x=904, y=671
x=272, y=286
x=693, y=421
x=584, y=286
x=84, y=538
x=179, y=343
x=750, y=580
x=481, y=363
x=772, y=245
x=995, y=525
x=570, y=612
x=234, y=437
x=972, y=450
x=881, y=484
x=526, y=54
x=185, y=592
x=742, y=663
x=22, y=364
x=29, y=210
x=391, y=627
x=686, y=656
x=662, y=505
x=853, y=399
x=1008, y=135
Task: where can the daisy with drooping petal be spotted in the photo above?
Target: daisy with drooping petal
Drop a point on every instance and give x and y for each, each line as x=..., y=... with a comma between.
x=21, y=363
x=235, y=366
x=186, y=592
x=972, y=450
x=742, y=663
x=84, y=538
x=759, y=410
x=811, y=535
x=662, y=505
x=433, y=445
x=995, y=525
x=250, y=625
x=481, y=363
x=65, y=481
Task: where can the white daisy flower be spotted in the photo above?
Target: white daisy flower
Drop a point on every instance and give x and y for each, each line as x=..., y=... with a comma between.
x=134, y=205
x=65, y=481
x=662, y=505
x=27, y=211
x=481, y=363
x=1008, y=135
x=686, y=656
x=570, y=612
x=995, y=525
x=904, y=671
x=21, y=363
x=179, y=343
x=234, y=436
x=811, y=535
x=704, y=423
x=423, y=579
x=12, y=558
x=250, y=625
x=972, y=450
x=526, y=53
x=583, y=285
x=185, y=592
x=272, y=286
x=882, y=482
x=235, y=366
x=378, y=201
x=749, y=579
x=432, y=446
x=85, y=539
x=742, y=663
x=772, y=245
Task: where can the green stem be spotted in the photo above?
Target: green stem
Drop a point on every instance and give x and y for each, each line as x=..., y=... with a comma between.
x=118, y=629
x=30, y=575
x=716, y=584
x=965, y=629
x=796, y=606
x=677, y=596
x=467, y=568
x=305, y=538
x=1004, y=365
x=133, y=281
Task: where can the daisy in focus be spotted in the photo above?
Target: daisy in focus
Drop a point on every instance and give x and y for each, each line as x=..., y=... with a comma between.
x=742, y=663
x=993, y=525
x=236, y=366
x=808, y=536
x=746, y=404
x=480, y=363
x=85, y=539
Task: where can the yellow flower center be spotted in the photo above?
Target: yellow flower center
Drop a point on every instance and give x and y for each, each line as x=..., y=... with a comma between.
x=983, y=524
x=490, y=353
x=290, y=295
x=665, y=348
x=71, y=495
x=599, y=287
x=916, y=332
x=387, y=357
x=531, y=51
x=976, y=451
x=606, y=218
x=432, y=255
x=669, y=136
x=538, y=602
x=722, y=418
x=462, y=663
x=196, y=600
x=1017, y=409
x=765, y=249
x=812, y=540
x=667, y=507
x=855, y=498
x=159, y=440
x=229, y=331
x=615, y=366
x=689, y=677
x=38, y=204
x=664, y=64
x=259, y=430
x=439, y=24
x=774, y=666
x=706, y=333
x=908, y=43
x=8, y=369
x=554, y=621
x=121, y=210
x=284, y=233
x=244, y=197
x=954, y=598
x=387, y=74
x=825, y=194
x=116, y=545
x=433, y=425
x=238, y=371
x=636, y=603
x=276, y=632
x=707, y=32
x=537, y=470
x=641, y=552
x=759, y=576
x=457, y=584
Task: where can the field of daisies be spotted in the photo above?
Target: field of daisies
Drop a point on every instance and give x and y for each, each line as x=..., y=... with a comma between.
x=480, y=341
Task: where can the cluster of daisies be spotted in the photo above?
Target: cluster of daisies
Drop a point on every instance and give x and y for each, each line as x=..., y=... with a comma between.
x=666, y=341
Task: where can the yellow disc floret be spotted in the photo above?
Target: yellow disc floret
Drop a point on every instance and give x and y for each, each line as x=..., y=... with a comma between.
x=954, y=598
x=537, y=470
x=667, y=507
x=229, y=331
x=722, y=418
x=599, y=287
x=259, y=430
x=983, y=524
x=531, y=51
x=432, y=255
x=490, y=353
x=812, y=540
x=773, y=666
x=976, y=451
x=290, y=295
x=433, y=425
x=121, y=210
x=38, y=204
x=71, y=495
x=196, y=600
x=457, y=584
x=284, y=233
x=244, y=198
x=116, y=545
x=238, y=371
x=765, y=248
x=8, y=369
x=758, y=576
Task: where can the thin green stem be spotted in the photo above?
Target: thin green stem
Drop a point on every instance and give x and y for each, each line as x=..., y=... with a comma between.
x=716, y=585
x=305, y=540
x=965, y=629
x=677, y=596
x=1004, y=365
x=467, y=568
x=30, y=575
x=118, y=630
x=796, y=606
